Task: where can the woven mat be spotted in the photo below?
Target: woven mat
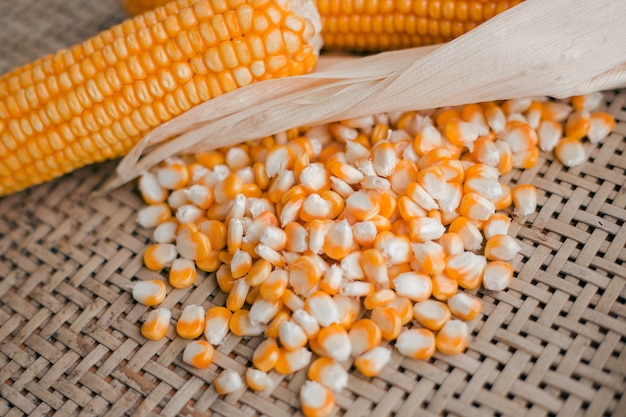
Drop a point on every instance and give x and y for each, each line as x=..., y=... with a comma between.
x=553, y=344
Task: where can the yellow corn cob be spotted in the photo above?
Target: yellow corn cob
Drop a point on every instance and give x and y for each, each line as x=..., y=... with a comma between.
x=379, y=25
x=96, y=100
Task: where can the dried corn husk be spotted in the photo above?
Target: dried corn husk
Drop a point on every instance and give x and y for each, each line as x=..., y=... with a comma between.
x=540, y=47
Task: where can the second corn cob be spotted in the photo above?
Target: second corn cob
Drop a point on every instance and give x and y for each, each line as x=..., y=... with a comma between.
x=96, y=100
x=377, y=25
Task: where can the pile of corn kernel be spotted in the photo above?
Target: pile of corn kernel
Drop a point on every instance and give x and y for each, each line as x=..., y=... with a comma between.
x=346, y=239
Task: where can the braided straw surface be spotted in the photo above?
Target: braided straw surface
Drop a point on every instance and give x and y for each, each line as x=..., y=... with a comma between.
x=553, y=344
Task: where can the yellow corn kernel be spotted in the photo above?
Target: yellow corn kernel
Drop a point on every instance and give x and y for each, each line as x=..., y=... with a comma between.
x=334, y=340
x=291, y=335
x=570, y=151
x=182, y=273
x=266, y=355
x=600, y=125
x=373, y=361
x=364, y=335
x=413, y=285
x=430, y=256
x=329, y=373
x=525, y=199
x=578, y=124
x=316, y=400
x=241, y=325
x=153, y=215
x=501, y=248
x=497, y=275
x=258, y=380
x=227, y=382
x=304, y=274
x=464, y=306
x=379, y=299
x=159, y=255
x=195, y=245
x=339, y=240
x=308, y=323
x=191, y=323
x=416, y=343
x=237, y=295
x=361, y=206
x=150, y=292
x=444, y=287
x=240, y=264
x=156, y=324
x=431, y=314
x=216, y=324
x=452, y=338
x=199, y=354
x=274, y=326
x=322, y=306
x=290, y=361
x=388, y=320
x=466, y=268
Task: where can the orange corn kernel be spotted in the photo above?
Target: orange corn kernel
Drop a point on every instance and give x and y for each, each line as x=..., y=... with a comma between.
x=501, y=248
x=151, y=216
x=263, y=311
x=241, y=325
x=388, y=320
x=339, y=240
x=373, y=361
x=304, y=274
x=215, y=231
x=266, y=355
x=194, y=245
x=570, y=152
x=290, y=361
x=452, y=338
x=259, y=272
x=258, y=380
x=464, y=307
x=274, y=286
x=525, y=199
x=335, y=341
x=466, y=268
x=379, y=299
x=444, y=287
x=322, y=306
x=199, y=354
x=431, y=314
x=430, y=256
x=150, y=292
x=274, y=326
x=192, y=321
x=329, y=373
x=316, y=400
x=416, y=343
x=237, y=295
x=413, y=285
x=497, y=275
x=216, y=324
x=364, y=335
x=182, y=273
x=156, y=324
x=173, y=176
x=362, y=206
x=227, y=382
x=601, y=124
x=578, y=124
x=452, y=243
x=159, y=255
x=240, y=264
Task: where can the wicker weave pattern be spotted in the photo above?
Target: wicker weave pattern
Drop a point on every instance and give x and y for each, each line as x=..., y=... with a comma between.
x=551, y=345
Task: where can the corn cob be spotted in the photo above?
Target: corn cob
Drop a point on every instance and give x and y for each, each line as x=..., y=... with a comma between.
x=378, y=25
x=95, y=100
